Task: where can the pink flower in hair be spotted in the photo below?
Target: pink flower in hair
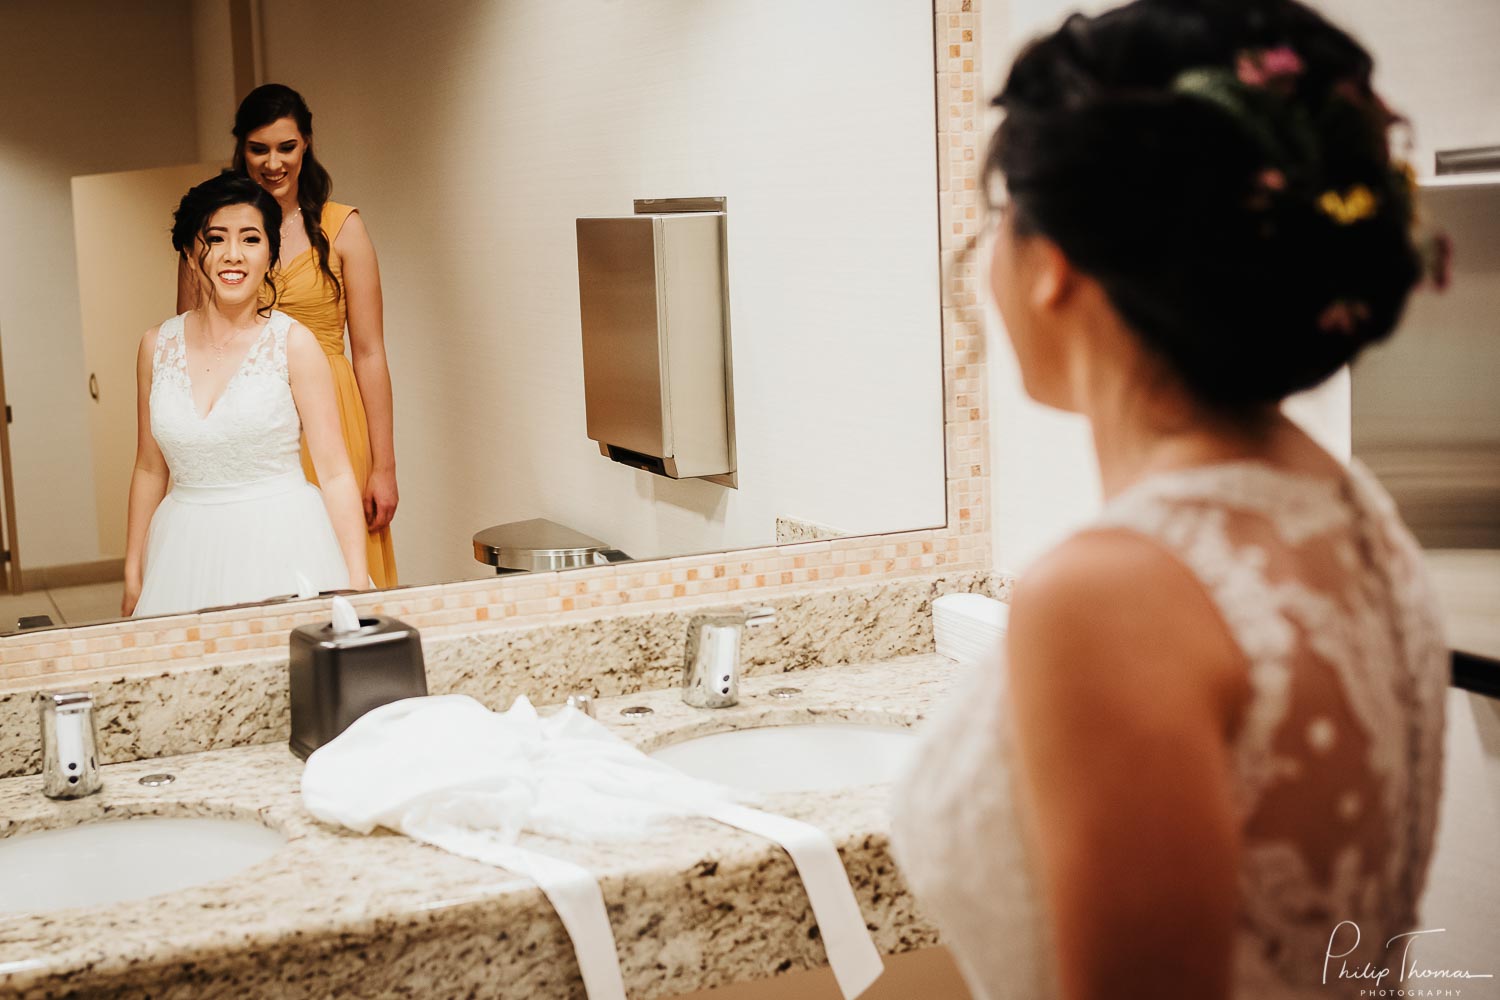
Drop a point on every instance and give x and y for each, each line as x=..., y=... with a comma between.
x=1343, y=316
x=1259, y=67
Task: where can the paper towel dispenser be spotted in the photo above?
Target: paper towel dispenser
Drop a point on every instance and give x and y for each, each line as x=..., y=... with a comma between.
x=654, y=304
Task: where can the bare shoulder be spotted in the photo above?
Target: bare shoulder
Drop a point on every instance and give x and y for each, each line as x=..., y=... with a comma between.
x=300, y=340
x=352, y=234
x=149, y=340
x=1110, y=620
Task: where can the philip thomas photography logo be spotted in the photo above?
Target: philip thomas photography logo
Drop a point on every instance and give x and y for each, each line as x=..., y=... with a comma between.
x=1410, y=978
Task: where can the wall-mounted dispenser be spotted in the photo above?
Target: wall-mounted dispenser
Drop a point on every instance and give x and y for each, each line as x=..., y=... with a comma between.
x=654, y=301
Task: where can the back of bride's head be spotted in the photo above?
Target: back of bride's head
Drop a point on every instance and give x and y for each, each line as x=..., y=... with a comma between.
x=1221, y=168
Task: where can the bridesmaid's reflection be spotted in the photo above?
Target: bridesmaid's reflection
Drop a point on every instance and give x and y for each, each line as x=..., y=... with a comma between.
x=328, y=278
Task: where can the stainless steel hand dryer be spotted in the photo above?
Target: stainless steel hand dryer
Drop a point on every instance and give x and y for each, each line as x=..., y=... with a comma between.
x=658, y=386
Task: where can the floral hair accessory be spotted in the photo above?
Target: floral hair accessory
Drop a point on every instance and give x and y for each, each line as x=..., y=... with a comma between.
x=1268, y=183
x=1271, y=179
x=1265, y=67
x=1219, y=86
x=1343, y=316
x=1353, y=205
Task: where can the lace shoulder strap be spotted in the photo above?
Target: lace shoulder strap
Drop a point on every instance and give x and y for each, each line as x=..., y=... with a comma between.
x=170, y=345
x=268, y=354
x=281, y=325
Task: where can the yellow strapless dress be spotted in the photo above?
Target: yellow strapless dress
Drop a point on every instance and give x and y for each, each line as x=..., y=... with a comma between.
x=303, y=292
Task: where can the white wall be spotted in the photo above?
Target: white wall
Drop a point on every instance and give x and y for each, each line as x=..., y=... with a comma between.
x=86, y=87
x=1045, y=482
x=1435, y=62
x=473, y=134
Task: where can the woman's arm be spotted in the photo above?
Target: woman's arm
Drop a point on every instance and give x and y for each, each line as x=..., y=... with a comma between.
x=187, y=285
x=367, y=347
x=312, y=391
x=148, y=480
x=1125, y=687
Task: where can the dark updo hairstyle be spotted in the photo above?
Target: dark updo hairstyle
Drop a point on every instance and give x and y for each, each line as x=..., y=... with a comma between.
x=1222, y=169
x=196, y=210
x=272, y=102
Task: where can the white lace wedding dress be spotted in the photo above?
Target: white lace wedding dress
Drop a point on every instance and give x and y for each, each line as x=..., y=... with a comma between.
x=1336, y=765
x=241, y=520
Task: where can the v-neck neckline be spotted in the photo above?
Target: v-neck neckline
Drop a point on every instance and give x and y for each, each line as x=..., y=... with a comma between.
x=286, y=266
x=187, y=370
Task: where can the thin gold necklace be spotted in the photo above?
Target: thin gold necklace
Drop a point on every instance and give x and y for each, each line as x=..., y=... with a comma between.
x=218, y=348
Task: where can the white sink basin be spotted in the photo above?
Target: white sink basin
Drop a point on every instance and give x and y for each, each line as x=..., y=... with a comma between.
x=115, y=860
x=795, y=758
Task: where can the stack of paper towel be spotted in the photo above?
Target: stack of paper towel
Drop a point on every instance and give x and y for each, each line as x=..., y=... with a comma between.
x=968, y=627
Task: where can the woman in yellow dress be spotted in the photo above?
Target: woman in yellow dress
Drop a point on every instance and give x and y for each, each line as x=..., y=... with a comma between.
x=328, y=279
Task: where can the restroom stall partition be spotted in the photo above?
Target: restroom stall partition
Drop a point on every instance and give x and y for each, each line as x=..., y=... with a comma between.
x=1426, y=413
x=10, y=549
x=127, y=281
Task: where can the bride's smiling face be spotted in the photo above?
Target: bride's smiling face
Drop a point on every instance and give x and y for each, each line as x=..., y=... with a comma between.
x=235, y=253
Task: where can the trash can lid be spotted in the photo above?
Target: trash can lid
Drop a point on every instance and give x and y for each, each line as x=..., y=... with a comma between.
x=535, y=544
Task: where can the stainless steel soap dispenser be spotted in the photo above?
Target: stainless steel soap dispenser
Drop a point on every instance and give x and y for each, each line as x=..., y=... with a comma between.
x=654, y=305
x=341, y=669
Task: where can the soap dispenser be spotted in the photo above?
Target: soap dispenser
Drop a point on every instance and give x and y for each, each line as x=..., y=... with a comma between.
x=341, y=669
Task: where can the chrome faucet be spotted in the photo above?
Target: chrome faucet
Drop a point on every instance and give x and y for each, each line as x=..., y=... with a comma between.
x=711, y=678
x=70, y=768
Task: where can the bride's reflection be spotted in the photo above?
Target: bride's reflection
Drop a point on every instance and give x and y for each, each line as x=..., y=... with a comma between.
x=225, y=392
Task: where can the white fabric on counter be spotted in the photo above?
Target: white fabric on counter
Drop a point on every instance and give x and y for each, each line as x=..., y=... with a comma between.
x=446, y=771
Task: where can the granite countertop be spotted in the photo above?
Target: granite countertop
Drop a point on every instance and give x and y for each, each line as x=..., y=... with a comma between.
x=695, y=905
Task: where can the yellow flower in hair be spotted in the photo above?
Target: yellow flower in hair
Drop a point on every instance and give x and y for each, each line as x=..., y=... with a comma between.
x=1355, y=204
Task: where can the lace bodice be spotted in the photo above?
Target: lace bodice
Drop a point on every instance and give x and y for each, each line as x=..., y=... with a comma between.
x=252, y=432
x=1337, y=761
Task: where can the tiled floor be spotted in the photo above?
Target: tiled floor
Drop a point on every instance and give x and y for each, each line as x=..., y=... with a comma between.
x=65, y=605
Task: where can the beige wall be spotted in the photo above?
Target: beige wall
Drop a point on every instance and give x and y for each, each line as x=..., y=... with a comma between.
x=87, y=87
x=473, y=134
x=1436, y=383
x=213, y=80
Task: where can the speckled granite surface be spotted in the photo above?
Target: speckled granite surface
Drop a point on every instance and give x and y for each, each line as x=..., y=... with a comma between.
x=336, y=914
x=187, y=708
x=796, y=529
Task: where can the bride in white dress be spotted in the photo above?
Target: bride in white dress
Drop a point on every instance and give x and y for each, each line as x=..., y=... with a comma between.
x=225, y=392
x=1207, y=763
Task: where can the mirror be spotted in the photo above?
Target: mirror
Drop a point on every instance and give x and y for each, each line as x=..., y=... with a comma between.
x=471, y=136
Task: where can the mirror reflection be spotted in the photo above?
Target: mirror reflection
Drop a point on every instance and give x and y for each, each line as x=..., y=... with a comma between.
x=458, y=418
